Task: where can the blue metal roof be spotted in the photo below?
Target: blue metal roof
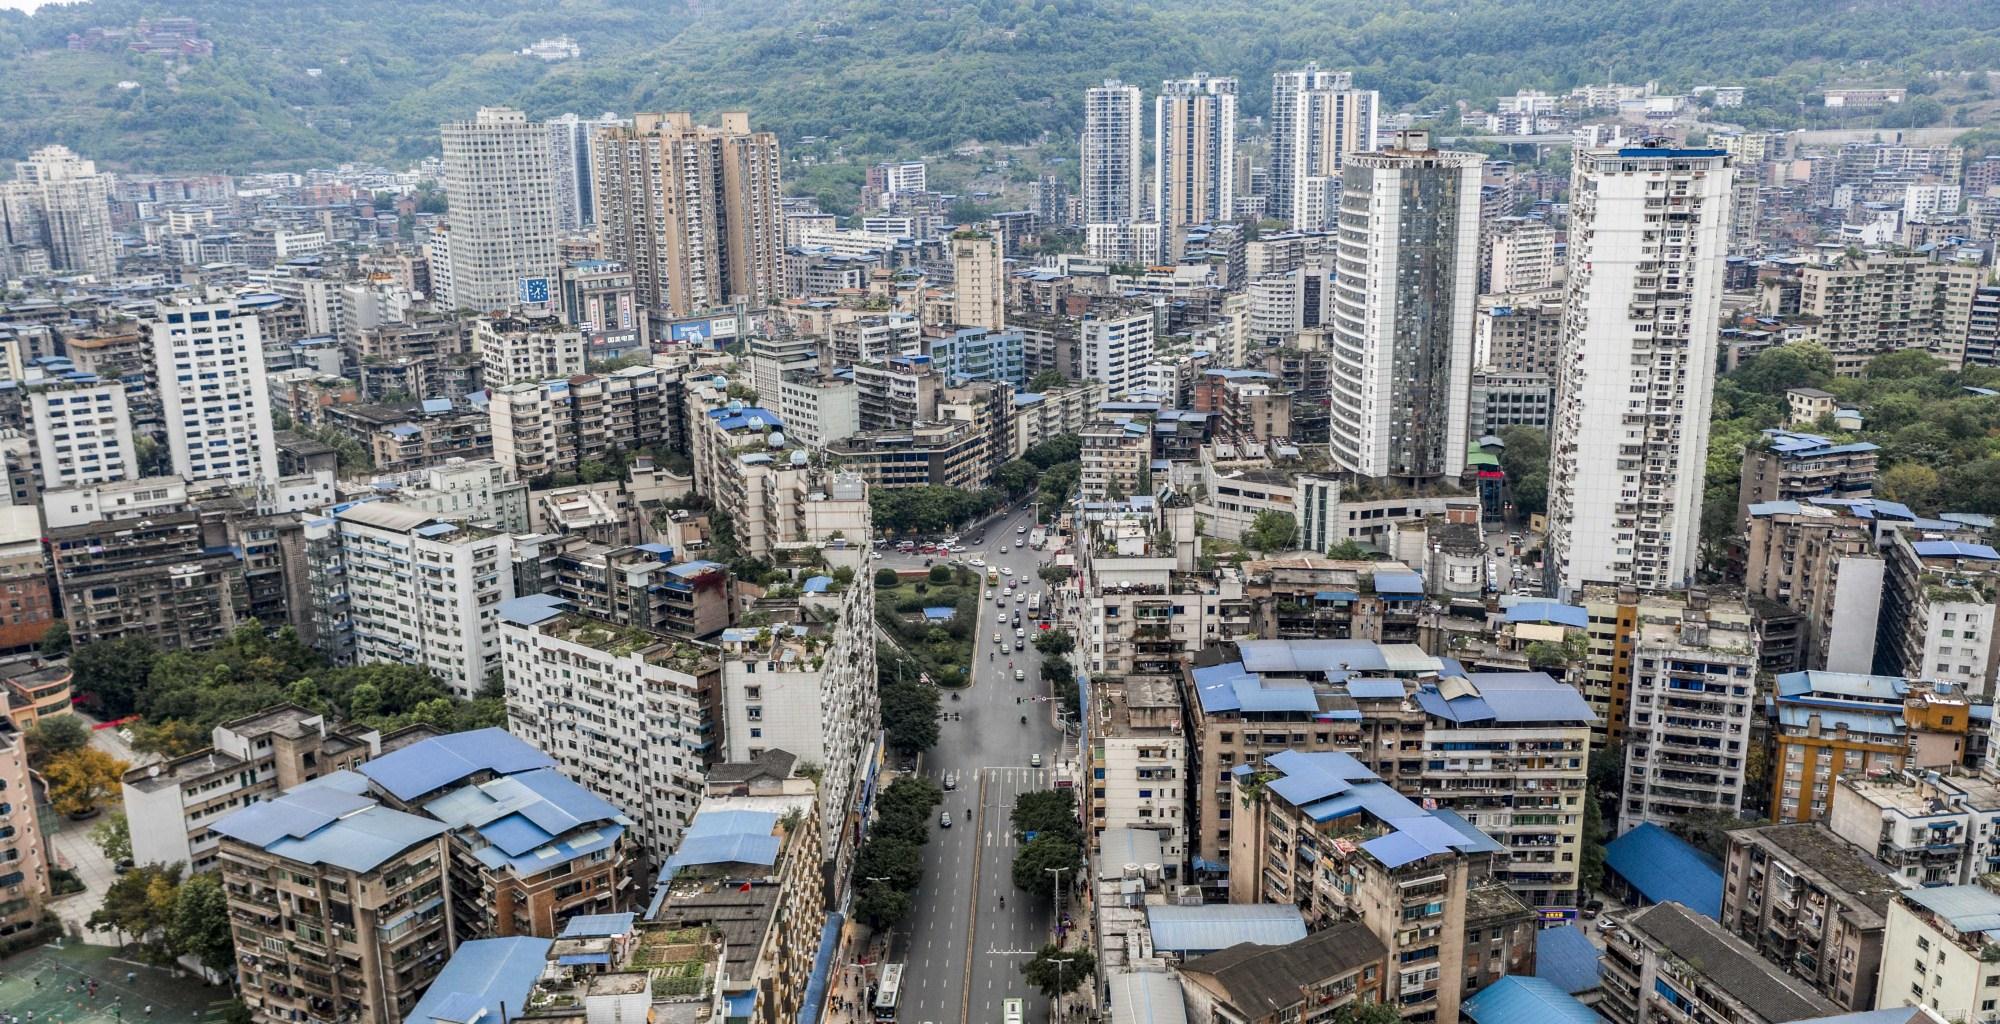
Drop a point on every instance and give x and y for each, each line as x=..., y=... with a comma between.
x=1519, y=999
x=1146, y=997
x=1288, y=656
x=818, y=584
x=1954, y=549
x=438, y=762
x=1375, y=689
x=592, y=926
x=689, y=570
x=1398, y=583
x=1663, y=868
x=1508, y=697
x=526, y=611
x=325, y=821
x=531, y=821
x=437, y=405
x=1213, y=926
x=481, y=977
x=816, y=984
x=726, y=837
x=1549, y=611
x=1567, y=957
x=1968, y=908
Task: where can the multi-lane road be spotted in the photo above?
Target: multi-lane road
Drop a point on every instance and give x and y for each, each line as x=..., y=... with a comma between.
x=961, y=947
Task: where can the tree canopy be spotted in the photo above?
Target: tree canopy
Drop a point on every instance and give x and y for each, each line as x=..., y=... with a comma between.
x=1272, y=530
x=936, y=74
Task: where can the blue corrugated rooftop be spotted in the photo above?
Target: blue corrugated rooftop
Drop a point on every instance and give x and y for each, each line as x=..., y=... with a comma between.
x=1567, y=957
x=592, y=926
x=1520, y=999
x=1548, y=611
x=486, y=979
x=1664, y=868
x=1213, y=926
x=435, y=763
x=1954, y=549
x=1504, y=697
x=533, y=608
x=727, y=837
x=326, y=821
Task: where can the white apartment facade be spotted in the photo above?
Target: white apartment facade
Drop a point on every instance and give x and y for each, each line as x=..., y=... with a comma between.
x=622, y=710
x=209, y=362
x=1110, y=157
x=1407, y=283
x=809, y=689
x=83, y=434
x=417, y=590
x=1116, y=350
x=526, y=350
x=1629, y=446
x=500, y=180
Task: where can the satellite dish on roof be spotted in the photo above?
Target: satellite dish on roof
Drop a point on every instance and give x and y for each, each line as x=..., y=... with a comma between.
x=719, y=382
x=799, y=457
x=735, y=405
x=776, y=440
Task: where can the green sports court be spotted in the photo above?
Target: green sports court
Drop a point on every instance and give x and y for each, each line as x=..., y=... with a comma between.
x=174, y=1000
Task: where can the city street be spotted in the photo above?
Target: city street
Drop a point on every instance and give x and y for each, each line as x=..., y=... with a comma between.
x=963, y=951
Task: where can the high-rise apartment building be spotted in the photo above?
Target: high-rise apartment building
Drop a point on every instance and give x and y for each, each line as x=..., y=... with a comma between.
x=1110, y=158
x=628, y=711
x=571, y=172
x=499, y=178
x=337, y=903
x=1115, y=349
x=979, y=280
x=83, y=432
x=393, y=584
x=1318, y=119
x=526, y=349
x=213, y=395
x=1634, y=384
x=60, y=204
x=691, y=210
x=1693, y=693
x=1408, y=280
x=1194, y=151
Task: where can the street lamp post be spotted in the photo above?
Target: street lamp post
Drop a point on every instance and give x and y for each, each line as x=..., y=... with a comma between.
x=1060, y=962
x=1055, y=896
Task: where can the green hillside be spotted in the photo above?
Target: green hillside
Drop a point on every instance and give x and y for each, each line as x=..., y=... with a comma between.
x=890, y=75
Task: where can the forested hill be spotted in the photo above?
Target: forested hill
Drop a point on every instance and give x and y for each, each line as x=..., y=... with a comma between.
x=887, y=75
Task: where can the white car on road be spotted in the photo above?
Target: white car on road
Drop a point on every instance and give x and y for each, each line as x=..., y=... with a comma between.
x=996, y=638
x=1006, y=570
x=977, y=563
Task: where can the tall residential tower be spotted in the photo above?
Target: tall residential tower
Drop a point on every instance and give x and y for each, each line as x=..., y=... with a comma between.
x=1408, y=278
x=1110, y=165
x=691, y=210
x=1194, y=151
x=1649, y=228
x=499, y=178
x=1318, y=119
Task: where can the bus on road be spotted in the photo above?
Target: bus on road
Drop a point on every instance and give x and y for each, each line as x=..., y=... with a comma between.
x=889, y=993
